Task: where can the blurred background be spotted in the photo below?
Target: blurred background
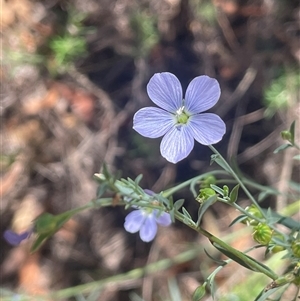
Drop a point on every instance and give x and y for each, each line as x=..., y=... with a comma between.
x=73, y=73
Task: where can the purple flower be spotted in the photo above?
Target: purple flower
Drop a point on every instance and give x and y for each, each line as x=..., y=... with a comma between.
x=14, y=238
x=179, y=120
x=145, y=221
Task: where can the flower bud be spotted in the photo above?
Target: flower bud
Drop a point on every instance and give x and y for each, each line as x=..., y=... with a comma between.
x=262, y=234
x=226, y=190
x=207, y=181
x=205, y=194
x=296, y=248
x=276, y=249
x=286, y=135
x=199, y=292
x=253, y=210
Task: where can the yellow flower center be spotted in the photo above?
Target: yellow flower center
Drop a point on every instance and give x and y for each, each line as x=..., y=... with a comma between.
x=182, y=116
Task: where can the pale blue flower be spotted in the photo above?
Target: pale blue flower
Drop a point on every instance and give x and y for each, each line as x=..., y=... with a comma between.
x=179, y=120
x=145, y=221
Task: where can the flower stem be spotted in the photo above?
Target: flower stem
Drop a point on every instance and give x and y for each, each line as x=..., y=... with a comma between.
x=239, y=181
x=229, y=251
x=182, y=185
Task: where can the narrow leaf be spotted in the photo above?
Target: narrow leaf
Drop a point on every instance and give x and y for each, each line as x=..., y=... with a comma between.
x=216, y=158
x=178, y=204
x=262, y=195
x=138, y=179
x=265, y=294
x=292, y=131
x=234, y=193
x=219, y=262
x=39, y=241
x=185, y=213
x=44, y=223
x=217, y=189
x=244, y=260
x=204, y=206
x=101, y=189
x=281, y=148
x=285, y=220
x=238, y=219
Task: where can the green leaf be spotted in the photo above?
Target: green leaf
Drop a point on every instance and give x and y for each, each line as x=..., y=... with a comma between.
x=281, y=148
x=294, y=185
x=138, y=179
x=168, y=202
x=45, y=223
x=238, y=219
x=62, y=218
x=284, y=220
x=128, y=188
x=204, y=206
x=216, y=158
x=102, y=189
x=262, y=195
x=217, y=189
x=185, y=213
x=38, y=242
x=219, y=262
x=178, y=204
x=234, y=193
x=297, y=157
x=105, y=171
x=243, y=259
x=200, y=292
x=271, y=217
x=265, y=294
x=292, y=131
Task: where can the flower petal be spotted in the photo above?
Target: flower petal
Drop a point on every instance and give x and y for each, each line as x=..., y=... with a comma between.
x=149, y=229
x=149, y=192
x=207, y=128
x=134, y=221
x=152, y=122
x=14, y=238
x=202, y=93
x=163, y=219
x=165, y=90
x=177, y=144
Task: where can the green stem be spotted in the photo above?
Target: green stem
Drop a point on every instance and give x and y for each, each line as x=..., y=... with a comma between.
x=248, y=182
x=252, y=184
x=291, y=209
x=230, y=251
x=239, y=181
x=116, y=280
x=296, y=146
x=182, y=185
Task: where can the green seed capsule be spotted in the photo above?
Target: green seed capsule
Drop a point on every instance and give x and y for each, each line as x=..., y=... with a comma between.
x=262, y=234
